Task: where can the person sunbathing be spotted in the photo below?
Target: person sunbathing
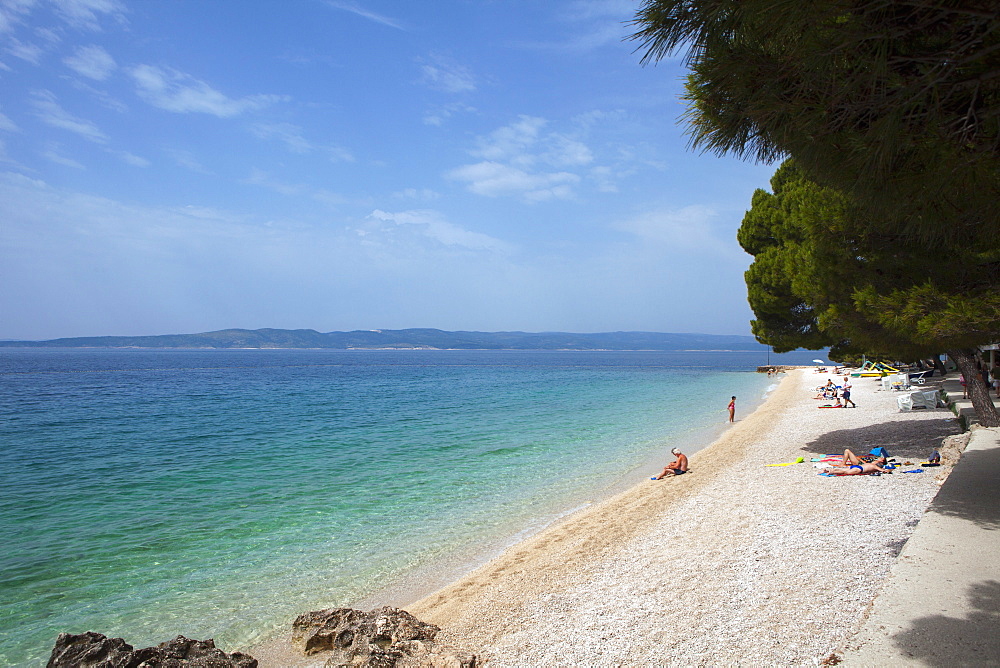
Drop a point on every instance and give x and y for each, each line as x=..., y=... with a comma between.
x=851, y=464
x=677, y=467
x=851, y=459
x=864, y=468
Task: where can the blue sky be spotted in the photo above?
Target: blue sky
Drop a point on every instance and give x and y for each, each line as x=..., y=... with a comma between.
x=178, y=166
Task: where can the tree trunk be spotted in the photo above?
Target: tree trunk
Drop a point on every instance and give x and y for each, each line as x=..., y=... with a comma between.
x=939, y=365
x=978, y=391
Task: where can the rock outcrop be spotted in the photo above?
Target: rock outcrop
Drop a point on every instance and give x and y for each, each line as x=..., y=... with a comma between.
x=383, y=638
x=95, y=650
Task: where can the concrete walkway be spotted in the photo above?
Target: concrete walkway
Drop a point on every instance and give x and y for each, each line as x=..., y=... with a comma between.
x=941, y=604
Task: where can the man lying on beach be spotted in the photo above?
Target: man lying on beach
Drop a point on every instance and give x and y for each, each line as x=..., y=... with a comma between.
x=677, y=467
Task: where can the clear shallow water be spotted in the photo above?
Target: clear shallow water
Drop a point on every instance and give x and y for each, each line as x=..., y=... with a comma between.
x=146, y=494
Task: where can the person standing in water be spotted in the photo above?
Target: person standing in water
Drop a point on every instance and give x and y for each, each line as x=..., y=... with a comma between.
x=732, y=409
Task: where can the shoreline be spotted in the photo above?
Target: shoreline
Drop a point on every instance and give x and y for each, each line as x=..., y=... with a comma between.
x=582, y=536
x=736, y=561
x=424, y=582
x=416, y=587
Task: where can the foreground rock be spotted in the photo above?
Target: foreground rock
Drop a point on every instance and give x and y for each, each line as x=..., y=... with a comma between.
x=384, y=638
x=95, y=650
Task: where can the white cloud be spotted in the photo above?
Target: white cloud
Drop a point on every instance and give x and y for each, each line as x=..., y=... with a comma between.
x=50, y=112
x=443, y=74
x=511, y=142
x=523, y=159
x=566, y=152
x=91, y=61
x=355, y=8
x=494, y=179
x=178, y=92
x=431, y=225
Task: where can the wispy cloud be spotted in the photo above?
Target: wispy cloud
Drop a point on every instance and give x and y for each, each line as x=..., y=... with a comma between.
x=12, y=13
x=175, y=91
x=425, y=194
x=593, y=24
x=286, y=133
x=8, y=125
x=51, y=113
x=439, y=115
x=524, y=143
x=52, y=152
x=259, y=177
x=187, y=160
x=688, y=228
x=432, y=225
x=444, y=74
x=355, y=8
x=31, y=53
x=92, y=62
x=80, y=14
x=295, y=141
x=87, y=13
x=132, y=159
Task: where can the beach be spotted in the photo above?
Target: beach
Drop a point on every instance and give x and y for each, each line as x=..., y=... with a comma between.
x=735, y=562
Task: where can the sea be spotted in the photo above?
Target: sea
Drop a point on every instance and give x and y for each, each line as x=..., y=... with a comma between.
x=146, y=494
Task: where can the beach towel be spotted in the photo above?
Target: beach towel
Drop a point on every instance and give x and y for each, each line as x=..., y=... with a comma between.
x=797, y=461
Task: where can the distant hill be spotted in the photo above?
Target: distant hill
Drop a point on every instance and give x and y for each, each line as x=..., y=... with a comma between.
x=408, y=338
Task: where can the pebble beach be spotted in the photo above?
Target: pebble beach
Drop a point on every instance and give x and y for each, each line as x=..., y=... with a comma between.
x=737, y=562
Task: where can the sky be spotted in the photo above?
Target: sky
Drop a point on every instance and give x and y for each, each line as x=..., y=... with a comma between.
x=182, y=166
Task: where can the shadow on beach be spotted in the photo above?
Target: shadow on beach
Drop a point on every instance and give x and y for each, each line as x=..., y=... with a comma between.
x=910, y=439
x=977, y=499
x=939, y=640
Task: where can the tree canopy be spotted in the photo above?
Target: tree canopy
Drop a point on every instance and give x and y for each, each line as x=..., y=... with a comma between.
x=894, y=102
x=821, y=277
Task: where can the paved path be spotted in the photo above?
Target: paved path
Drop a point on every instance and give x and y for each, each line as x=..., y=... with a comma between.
x=941, y=605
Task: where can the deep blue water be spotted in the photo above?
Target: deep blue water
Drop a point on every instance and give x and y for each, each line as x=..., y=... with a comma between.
x=150, y=493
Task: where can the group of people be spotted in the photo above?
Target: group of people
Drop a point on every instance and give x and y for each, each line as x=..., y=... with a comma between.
x=839, y=393
x=851, y=464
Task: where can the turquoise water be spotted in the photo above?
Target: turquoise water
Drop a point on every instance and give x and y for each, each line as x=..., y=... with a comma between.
x=145, y=494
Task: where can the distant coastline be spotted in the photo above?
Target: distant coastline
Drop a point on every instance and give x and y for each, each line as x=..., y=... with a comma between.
x=408, y=339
